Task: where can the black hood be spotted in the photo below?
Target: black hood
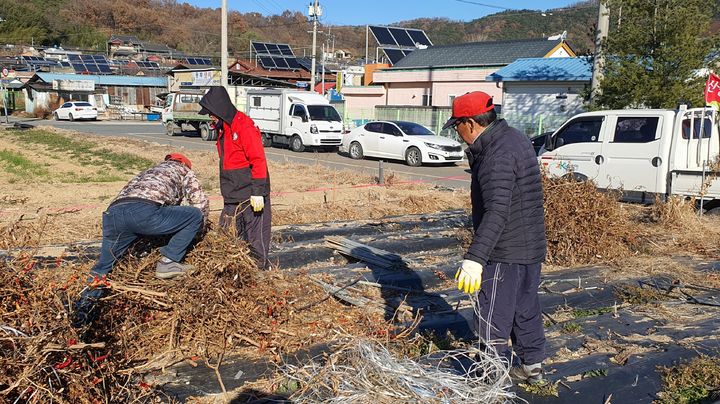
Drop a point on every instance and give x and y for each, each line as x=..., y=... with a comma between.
x=217, y=102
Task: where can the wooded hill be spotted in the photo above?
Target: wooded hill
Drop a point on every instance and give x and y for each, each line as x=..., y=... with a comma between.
x=88, y=24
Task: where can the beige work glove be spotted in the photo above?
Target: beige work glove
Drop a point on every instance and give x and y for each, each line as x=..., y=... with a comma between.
x=469, y=276
x=257, y=203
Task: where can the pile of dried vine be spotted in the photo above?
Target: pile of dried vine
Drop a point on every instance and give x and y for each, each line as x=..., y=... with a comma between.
x=225, y=306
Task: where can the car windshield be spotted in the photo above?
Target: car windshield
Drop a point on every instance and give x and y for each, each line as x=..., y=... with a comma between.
x=83, y=104
x=323, y=113
x=414, y=129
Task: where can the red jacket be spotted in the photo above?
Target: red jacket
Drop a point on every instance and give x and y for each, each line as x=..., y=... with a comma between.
x=243, y=168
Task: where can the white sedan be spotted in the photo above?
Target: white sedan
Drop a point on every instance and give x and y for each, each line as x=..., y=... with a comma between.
x=75, y=110
x=400, y=140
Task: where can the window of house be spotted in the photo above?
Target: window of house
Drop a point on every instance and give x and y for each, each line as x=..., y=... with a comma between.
x=256, y=101
x=427, y=100
x=583, y=130
x=641, y=129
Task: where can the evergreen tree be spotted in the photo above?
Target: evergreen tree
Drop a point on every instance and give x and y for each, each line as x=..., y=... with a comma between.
x=654, y=52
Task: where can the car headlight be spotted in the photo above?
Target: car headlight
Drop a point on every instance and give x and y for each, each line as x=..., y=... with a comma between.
x=432, y=145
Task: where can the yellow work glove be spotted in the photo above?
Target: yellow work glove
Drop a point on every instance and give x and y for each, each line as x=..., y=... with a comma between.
x=257, y=203
x=469, y=276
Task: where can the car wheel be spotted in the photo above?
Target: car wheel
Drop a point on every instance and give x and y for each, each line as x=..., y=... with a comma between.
x=355, y=151
x=71, y=118
x=296, y=144
x=170, y=129
x=413, y=157
x=266, y=140
x=56, y=117
x=206, y=133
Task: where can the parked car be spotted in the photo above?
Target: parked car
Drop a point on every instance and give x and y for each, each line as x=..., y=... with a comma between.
x=400, y=140
x=75, y=110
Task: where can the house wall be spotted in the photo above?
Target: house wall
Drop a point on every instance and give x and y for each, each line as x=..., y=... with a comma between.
x=360, y=102
x=442, y=92
x=544, y=105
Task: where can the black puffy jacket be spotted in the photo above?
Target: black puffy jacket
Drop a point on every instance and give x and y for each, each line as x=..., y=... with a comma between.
x=507, y=198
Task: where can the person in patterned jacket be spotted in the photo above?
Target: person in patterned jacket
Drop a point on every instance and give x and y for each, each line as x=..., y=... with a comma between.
x=149, y=205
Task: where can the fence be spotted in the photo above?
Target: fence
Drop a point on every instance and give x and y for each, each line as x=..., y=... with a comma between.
x=434, y=118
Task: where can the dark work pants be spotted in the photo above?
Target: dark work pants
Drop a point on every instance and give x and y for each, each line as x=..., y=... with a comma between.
x=509, y=307
x=253, y=227
x=122, y=224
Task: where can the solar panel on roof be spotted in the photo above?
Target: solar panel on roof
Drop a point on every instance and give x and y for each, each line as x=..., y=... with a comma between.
x=74, y=58
x=273, y=49
x=280, y=63
x=285, y=50
x=393, y=55
x=267, y=62
x=93, y=68
x=105, y=69
x=293, y=63
x=401, y=37
x=383, y=36
x=259, y=48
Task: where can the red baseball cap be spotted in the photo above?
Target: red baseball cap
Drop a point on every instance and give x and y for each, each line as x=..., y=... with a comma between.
x=180, y=158
x=469, y=105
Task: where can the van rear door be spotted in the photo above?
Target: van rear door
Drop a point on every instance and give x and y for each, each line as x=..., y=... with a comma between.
x=574, y=149
x=632, y=158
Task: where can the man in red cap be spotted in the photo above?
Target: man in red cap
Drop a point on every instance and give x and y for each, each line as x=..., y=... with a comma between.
x=502, y=265
x=244, y=179
x=149, y=205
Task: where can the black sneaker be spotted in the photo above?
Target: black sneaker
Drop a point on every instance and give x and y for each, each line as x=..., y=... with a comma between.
x=531, y=374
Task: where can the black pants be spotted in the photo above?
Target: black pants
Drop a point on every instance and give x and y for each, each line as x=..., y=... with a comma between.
x=509, y=307
x=253, y=227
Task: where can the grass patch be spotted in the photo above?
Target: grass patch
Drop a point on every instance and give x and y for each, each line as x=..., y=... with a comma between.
x=638, y=295
x=571, y=328
x=580, y=313
x=84, y=152
x=19, y=166
x=546, y=389
x=690, y=382
x=73, y=178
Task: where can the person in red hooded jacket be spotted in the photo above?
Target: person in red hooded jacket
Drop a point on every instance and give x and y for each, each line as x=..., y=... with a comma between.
x=244, y=179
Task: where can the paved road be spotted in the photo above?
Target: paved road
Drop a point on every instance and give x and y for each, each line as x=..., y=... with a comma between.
x=453, y=176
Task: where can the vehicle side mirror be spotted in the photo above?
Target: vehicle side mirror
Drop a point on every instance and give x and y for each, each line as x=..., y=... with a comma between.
x=304, y=118
x=549, y=142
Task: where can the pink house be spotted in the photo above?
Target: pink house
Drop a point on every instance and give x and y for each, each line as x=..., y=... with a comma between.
x=433, y=77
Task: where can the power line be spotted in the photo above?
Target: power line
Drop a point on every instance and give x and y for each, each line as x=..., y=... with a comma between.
x=483, y=4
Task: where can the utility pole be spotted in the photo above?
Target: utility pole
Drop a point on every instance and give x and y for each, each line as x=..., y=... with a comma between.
x=314, y=11
x=367, y=38
x=598, y=61
x=224, y=46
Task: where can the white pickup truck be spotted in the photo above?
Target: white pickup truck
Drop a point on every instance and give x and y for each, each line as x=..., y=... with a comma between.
x=644, y=153
x=299, y=119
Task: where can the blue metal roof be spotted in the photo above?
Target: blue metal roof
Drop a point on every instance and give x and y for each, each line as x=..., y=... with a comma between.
x=107, y=80
x=545, y=69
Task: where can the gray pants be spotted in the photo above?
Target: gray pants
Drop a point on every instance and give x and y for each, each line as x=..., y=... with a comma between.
x=253, y=227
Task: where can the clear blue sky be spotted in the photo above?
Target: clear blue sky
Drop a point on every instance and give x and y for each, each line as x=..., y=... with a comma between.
x=361, y=12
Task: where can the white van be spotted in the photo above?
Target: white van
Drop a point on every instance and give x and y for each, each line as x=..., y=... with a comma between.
x=644, y=153
x=299, y=119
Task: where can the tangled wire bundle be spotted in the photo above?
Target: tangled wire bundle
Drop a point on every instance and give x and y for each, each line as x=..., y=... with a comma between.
x=366, y=372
